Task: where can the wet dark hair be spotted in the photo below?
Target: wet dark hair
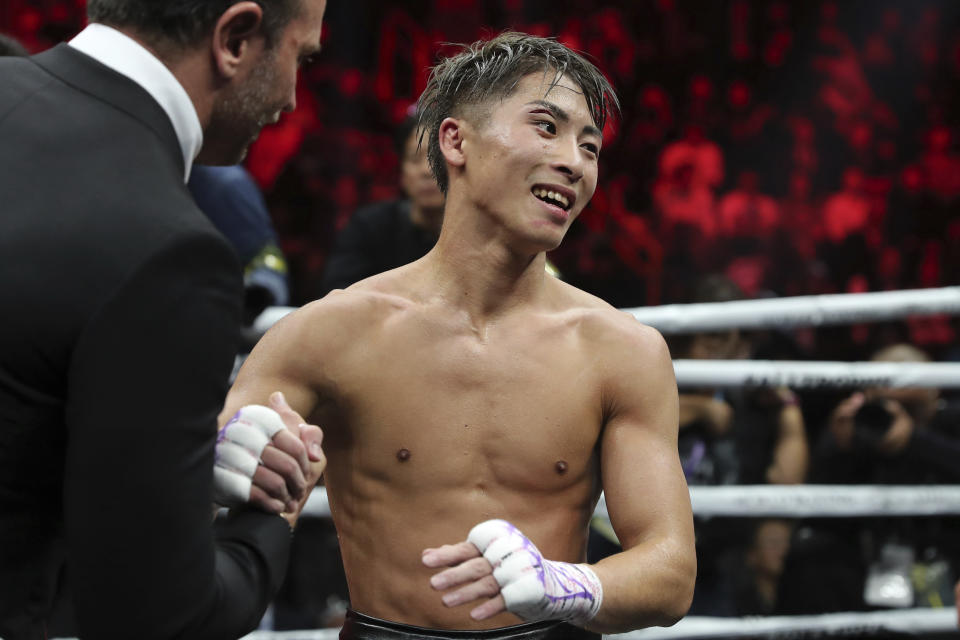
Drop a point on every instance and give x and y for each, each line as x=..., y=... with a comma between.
x=185, y=22
x=489, y=69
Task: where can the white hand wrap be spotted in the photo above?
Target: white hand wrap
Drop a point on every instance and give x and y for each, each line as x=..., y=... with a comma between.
x=532, y=587
x=239, y=446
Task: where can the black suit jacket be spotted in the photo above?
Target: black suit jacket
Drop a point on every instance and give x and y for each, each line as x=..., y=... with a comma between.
x=120, y=316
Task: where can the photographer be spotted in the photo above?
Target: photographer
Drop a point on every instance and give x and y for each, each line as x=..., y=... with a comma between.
x=879, y=436
x=890, y=436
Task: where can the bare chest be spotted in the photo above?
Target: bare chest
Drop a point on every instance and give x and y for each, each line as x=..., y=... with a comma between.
x=416, y=406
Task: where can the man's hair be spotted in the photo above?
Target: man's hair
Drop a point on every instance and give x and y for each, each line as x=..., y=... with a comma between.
x=185, y=22
x=714, y=287
x=491, y=69
x=900, y=352
x=11, y=47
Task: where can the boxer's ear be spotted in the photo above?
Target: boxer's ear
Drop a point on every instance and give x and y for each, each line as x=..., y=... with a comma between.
x=451, y=135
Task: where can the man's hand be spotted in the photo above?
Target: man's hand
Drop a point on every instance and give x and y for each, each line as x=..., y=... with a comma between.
x=841, y=420
x=716, y=413
x=268, y=457
x=498, y=562
x=897, y=437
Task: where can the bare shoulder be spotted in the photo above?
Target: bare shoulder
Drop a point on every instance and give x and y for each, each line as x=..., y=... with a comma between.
x=338, y=319
x=634, y=365
x=614, y=334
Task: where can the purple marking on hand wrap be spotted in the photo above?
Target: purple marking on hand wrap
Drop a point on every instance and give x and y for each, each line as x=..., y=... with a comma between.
x=562, y=575
x=568, y=582
x=223, y=434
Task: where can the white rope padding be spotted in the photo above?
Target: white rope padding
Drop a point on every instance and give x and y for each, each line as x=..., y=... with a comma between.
x=801, y=374
x=799, y=311
x=796, y=501
x=813, y=375
x=269, y=317
x=911, y=621
x=835, y=501
x=317, y=505
x=796, y=311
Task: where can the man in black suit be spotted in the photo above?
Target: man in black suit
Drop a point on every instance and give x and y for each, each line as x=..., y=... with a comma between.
x=11, y=47
x=121, y=309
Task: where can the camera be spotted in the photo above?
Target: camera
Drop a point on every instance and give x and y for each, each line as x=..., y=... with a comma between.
x=871, y=423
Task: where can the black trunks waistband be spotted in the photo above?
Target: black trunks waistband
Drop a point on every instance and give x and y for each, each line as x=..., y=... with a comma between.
x=357, y=626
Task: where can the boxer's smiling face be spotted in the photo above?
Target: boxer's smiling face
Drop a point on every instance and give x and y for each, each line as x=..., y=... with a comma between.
x=530, y=160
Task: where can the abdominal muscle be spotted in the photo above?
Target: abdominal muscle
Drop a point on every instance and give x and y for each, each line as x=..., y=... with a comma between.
x=384, y=524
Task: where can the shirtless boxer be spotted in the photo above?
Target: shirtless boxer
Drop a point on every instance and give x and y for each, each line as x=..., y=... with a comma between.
x=470, y=388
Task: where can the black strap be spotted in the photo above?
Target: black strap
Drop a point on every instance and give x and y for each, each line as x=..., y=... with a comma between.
x=358, y=626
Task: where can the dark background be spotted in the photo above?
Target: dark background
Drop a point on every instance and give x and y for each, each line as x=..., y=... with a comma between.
x=798, y=98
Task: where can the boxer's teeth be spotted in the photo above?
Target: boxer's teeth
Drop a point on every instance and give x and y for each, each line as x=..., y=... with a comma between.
x=551, y=197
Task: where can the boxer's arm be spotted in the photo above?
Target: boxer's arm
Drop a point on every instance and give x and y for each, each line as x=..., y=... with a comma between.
x=651, y=581
x=277, y=363
x=284, y=360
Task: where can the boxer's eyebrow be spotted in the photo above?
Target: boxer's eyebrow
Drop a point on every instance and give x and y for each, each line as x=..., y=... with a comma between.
x=560, y=114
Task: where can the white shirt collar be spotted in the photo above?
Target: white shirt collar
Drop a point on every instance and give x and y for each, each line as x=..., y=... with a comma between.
x=126, y=56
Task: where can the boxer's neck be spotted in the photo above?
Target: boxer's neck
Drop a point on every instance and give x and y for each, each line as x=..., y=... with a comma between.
x=479, y=271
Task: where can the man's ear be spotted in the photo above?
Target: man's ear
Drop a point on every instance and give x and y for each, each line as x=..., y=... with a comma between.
x=232, y=35
x=451, y=141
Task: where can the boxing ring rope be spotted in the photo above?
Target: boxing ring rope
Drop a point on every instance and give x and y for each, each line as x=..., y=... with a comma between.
x=785, y=501
x=908, y=621
x=783, y=312
x=799, y=311
x=796, y=311
x=840, y=501
x=917, y=621
x=773, y=501
x=812, y=375
x=797, y=374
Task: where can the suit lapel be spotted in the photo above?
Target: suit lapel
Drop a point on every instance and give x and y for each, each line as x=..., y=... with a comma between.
x=83, y=73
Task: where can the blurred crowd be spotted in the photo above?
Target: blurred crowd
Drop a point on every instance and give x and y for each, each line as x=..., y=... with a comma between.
x=835, y=436
x=798, y=147
x=766, y=148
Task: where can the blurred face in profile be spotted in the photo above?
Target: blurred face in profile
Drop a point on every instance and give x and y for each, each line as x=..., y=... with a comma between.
x=416, y=180
x=268, y=88
x=770, y=546
x=719, y=345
